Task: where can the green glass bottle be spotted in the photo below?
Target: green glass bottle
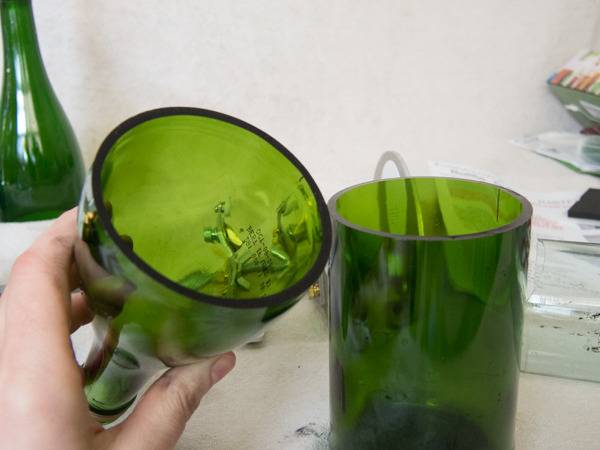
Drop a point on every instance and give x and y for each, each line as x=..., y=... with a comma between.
x=197, y=230
x=41, y=170
x=426, y=302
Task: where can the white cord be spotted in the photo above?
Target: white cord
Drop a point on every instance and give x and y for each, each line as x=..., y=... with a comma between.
x=396, y=159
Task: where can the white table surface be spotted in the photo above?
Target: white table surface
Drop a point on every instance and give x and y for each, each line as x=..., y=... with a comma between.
x=281, y=386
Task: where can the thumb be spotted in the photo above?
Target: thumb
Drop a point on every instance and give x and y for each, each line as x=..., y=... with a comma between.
x=160, y=417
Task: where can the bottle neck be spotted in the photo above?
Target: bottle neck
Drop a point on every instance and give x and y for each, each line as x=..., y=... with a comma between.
x=21, y=50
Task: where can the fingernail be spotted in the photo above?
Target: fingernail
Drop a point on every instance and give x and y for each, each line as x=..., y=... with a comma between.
x=222, y=367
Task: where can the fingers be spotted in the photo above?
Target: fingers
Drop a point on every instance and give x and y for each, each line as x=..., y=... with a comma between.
x=80, y=315
x=74, y=280
x=54, y=250
x=160, y=416
x=37, y=296
x=80, y=312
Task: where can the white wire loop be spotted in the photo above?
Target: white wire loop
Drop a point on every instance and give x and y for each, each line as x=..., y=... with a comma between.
x=394, y=158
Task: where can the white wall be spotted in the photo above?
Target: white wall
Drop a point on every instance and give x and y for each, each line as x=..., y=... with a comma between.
x=335, y=81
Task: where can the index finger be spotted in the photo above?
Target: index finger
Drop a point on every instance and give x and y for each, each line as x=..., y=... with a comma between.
x=37, y=296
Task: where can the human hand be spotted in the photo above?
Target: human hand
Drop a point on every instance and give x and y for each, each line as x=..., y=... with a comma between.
x=41, y=387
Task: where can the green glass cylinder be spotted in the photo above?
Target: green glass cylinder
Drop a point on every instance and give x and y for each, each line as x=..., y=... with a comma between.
x=41, y=170
x=197, y=230
x=426, y=298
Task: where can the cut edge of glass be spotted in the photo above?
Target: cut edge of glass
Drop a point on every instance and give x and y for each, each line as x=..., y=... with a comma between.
x=521, y=219
x=279, y=298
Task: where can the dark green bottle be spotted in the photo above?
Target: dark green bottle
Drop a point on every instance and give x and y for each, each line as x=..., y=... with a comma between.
x=197, y=230
x=426, y=301
x=41, y=171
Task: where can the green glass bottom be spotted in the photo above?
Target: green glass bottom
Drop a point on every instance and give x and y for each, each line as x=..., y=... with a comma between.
x=108, y=415
x=385, y=425
x=116, y=388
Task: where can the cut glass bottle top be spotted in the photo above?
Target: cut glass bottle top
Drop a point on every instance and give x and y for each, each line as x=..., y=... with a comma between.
x=212, y=204
x=429, y=208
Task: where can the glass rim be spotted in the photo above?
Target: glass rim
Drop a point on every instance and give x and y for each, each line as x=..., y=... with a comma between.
x=521, y=219
x=277, y=299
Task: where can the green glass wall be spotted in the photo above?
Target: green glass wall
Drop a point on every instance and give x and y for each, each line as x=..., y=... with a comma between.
x=197, y=230
x=426, y=288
